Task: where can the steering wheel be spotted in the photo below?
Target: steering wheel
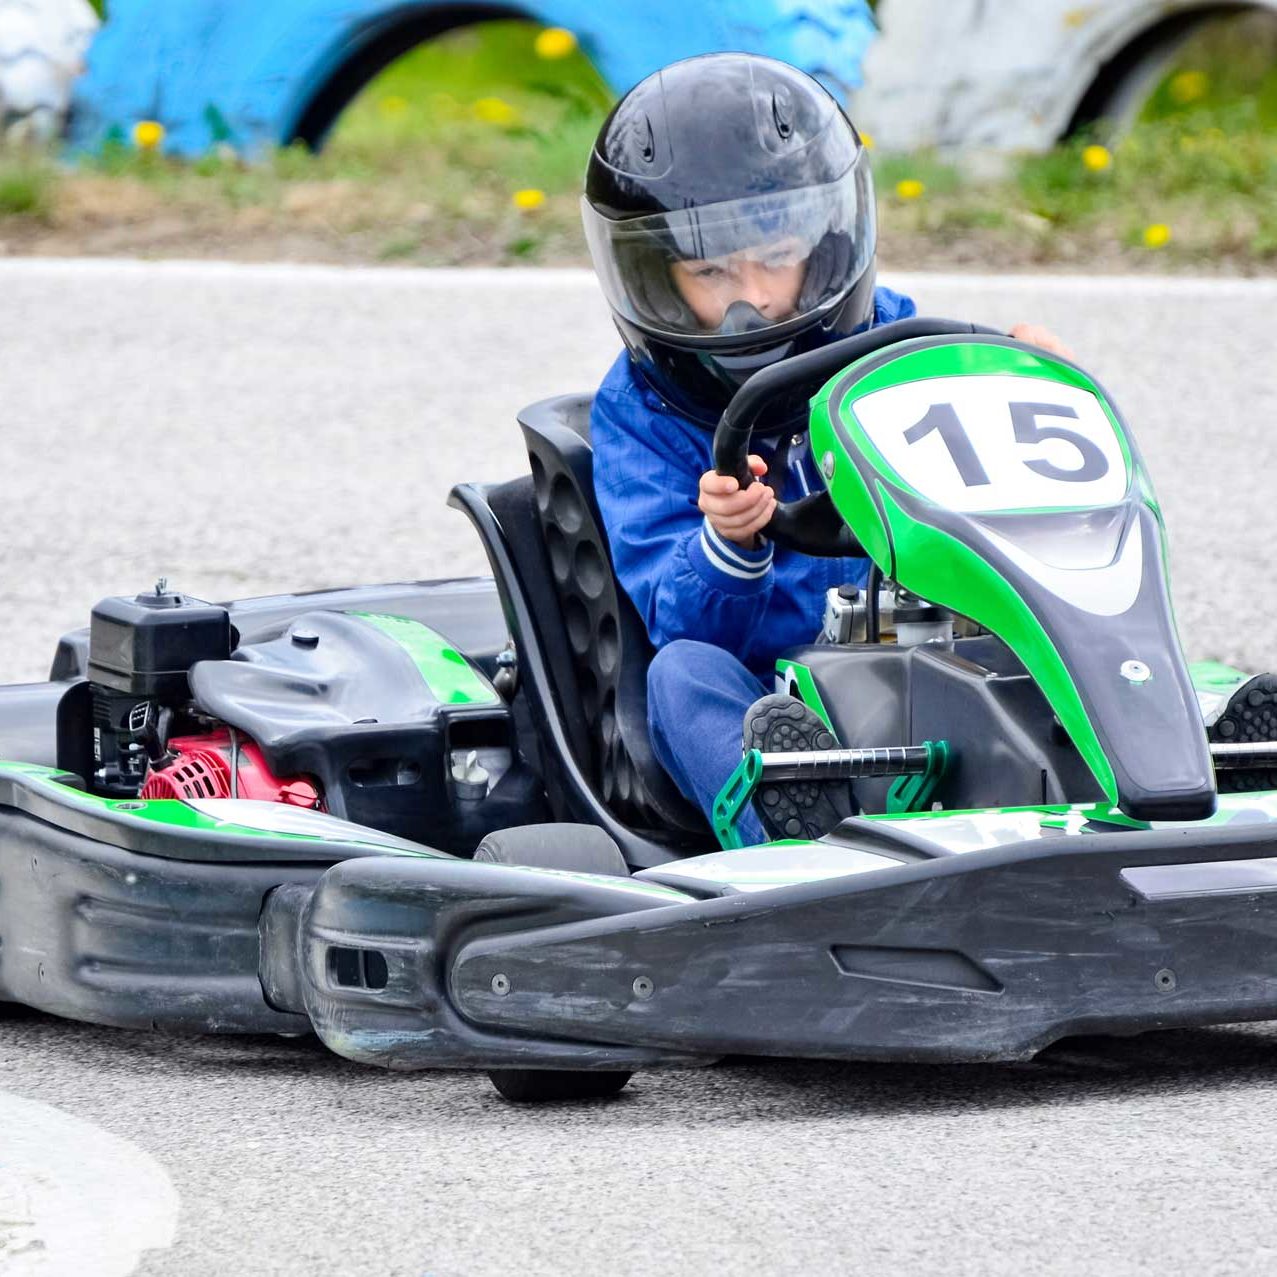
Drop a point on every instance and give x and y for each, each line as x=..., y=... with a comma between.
x=811, y=524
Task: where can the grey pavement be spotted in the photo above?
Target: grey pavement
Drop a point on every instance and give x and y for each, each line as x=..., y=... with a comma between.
x=245, y=430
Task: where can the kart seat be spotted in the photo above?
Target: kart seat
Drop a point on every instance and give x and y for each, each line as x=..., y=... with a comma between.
x=584, y=639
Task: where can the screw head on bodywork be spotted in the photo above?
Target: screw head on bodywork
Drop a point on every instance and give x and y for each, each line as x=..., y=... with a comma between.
x=827, y=465
x=1135, y=672
x=1164, y=981
x=500, y=984
x=643, y=987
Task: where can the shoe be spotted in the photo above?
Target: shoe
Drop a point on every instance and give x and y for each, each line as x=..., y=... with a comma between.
x=795, y=808
x=1250, y=715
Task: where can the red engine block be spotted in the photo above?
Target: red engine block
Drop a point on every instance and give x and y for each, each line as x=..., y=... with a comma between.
x=202, y=769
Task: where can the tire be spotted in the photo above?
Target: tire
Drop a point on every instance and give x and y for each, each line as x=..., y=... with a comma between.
x=576, y=848
x=546, y=1086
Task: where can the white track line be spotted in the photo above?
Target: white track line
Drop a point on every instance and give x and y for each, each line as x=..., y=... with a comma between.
x=572, y=278
x=75, y=1199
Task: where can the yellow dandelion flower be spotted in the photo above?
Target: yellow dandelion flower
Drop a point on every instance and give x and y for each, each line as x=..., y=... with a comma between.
x=495, y=111
x=1158, y=235
x=1189, y=86
x=910, y=188
x=868, y=140
x=1096, y=158
x=393, y=106
x=528, y=199
x=148, y=135
x=554, y=43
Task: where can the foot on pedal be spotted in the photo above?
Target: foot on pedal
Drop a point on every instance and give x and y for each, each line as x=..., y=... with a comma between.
x=1250, y=715
x=795, y=808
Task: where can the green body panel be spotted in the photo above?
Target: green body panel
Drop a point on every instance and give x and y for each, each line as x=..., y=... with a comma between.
x=938, y=567
x=174, y=813
x=447, y=673
x=938, y=561
x=1084, y=818
x=956, y=360
x=808, y=693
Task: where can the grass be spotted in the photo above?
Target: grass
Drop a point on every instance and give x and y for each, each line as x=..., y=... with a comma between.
x=424, y=167
x=26, y=186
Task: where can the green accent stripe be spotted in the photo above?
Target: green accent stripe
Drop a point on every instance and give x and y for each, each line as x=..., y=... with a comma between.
x=1214, y=676
x=808, y=693
x=448, y=675
x=952, y=575
x=174, y=813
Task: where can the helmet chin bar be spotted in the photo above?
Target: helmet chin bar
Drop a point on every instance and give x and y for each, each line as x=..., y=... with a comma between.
x=744, y=317
x=697, y=377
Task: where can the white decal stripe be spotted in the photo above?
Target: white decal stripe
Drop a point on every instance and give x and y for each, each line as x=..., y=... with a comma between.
x=1103, y=591
x=75, y=1198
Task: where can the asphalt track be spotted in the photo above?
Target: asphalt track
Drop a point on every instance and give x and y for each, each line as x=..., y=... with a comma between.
x=245, y=430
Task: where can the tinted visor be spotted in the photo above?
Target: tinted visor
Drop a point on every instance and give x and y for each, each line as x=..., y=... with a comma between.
x=761, y=261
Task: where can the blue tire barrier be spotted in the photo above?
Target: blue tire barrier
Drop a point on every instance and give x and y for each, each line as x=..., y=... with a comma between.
x=256, y=75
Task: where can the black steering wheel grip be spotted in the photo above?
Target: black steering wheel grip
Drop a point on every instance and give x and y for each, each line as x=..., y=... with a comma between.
x=811, y=524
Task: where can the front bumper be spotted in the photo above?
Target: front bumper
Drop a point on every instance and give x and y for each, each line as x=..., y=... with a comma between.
x=990, y=955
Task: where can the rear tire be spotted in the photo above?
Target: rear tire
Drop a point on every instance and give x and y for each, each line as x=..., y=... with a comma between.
x=546, y=1086
x=583, y=849
x=577, y=849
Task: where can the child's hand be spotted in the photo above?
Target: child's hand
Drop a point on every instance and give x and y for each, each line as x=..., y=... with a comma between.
x=1036, y=335
x=735, y=515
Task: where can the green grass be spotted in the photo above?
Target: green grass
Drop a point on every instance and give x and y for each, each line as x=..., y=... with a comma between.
x=26, y=186
x=484, y=104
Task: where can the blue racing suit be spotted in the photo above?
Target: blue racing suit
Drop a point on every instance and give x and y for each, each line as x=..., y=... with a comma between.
x=717, y=613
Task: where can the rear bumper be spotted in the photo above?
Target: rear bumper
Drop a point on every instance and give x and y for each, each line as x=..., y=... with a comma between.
x=105, y=934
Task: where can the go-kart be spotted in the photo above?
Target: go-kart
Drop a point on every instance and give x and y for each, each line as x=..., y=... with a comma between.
x=424, y=820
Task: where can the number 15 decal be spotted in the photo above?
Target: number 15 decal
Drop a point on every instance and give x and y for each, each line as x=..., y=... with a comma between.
x=943, y=419
x=996, y=442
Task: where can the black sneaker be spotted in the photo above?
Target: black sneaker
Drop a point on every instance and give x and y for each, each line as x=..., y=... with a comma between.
x=1250, y=715
x=795, y=808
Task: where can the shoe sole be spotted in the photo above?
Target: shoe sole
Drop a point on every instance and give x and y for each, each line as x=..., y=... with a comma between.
x=1250, y=715
x=798, y=808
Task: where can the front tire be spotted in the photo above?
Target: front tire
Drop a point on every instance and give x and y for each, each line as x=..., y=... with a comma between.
x=575, y=849
x=549, y=1086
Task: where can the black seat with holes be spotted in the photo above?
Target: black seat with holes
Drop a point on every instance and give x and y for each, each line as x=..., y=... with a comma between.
x=581, y=643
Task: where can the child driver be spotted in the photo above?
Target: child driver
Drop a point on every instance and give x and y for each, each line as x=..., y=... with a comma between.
x=730, y=217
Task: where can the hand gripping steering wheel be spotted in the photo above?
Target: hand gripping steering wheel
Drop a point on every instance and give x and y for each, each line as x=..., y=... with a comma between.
x=811, y=524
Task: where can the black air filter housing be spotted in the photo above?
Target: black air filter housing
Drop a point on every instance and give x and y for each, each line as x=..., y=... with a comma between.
x=145, y=645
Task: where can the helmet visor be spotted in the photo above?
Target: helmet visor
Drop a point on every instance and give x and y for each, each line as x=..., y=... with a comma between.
x=739, y=266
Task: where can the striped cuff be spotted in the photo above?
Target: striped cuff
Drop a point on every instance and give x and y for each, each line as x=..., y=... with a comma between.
x=732, y=560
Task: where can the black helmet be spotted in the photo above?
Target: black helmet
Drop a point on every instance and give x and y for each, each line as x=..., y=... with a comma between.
x=734, y=170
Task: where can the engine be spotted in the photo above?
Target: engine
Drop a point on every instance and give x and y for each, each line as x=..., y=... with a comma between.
x=148, y=738
x=371, y=717
x=223, y=765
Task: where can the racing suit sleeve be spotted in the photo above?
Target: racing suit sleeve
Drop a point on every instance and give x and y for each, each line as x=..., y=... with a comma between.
x=685, y=580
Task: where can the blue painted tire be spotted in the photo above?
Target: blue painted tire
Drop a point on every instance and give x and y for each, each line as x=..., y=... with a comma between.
x=257, y=75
